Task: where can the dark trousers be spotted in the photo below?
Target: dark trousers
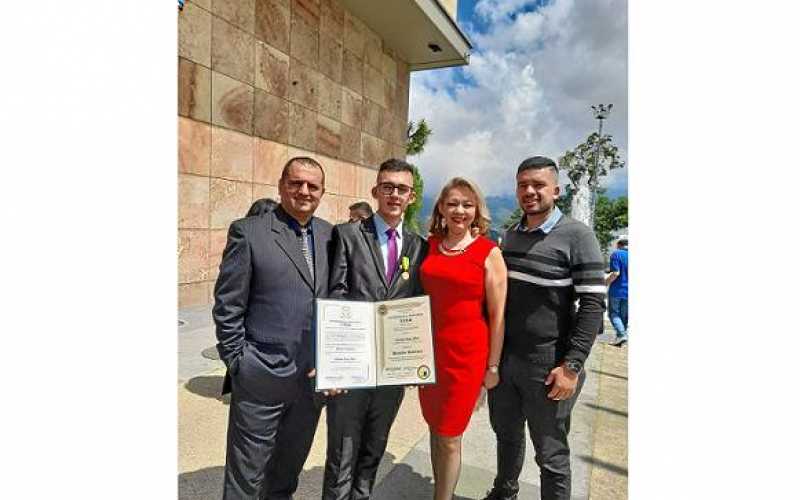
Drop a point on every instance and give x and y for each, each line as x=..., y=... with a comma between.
x=358, y=429
x=268, y=444
x=522, y=396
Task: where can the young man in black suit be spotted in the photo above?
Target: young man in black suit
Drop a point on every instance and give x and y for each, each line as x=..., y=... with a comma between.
x=366, y=266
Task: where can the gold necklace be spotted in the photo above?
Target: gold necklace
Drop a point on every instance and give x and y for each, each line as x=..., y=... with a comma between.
x=461, y=250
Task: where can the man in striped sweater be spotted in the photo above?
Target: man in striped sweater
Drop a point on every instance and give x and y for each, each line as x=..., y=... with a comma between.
x=553, y=260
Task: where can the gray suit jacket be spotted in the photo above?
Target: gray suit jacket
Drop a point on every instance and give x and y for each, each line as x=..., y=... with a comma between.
x=357, y=269
x=264, y=304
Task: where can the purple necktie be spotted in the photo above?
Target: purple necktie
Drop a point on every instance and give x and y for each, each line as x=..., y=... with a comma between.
x=391, y=258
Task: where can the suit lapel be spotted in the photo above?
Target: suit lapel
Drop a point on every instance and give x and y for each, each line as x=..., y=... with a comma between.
x=319, y=252
x=371, y=238
x=287, y=240
x=409, y=244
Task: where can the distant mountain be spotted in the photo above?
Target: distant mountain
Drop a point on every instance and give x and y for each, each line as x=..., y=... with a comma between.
x=500, y=207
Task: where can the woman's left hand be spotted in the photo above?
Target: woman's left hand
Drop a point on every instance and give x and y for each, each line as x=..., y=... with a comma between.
x=490, y=380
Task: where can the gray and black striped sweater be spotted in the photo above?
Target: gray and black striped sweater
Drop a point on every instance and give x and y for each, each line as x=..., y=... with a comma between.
x=546, y=274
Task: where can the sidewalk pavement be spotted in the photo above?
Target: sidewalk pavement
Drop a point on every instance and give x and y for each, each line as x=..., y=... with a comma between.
x=598, y=436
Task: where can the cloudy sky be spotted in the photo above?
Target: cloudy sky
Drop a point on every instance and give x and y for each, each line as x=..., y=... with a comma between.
x=535, y=69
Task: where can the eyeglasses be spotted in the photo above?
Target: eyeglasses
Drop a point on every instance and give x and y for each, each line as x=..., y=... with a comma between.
x=387, y=188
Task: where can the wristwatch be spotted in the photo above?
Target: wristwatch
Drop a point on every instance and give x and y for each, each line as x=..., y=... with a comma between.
x=573, y=365
x=493, y=368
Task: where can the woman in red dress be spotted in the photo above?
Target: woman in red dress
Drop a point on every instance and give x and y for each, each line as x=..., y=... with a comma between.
x=464, y=275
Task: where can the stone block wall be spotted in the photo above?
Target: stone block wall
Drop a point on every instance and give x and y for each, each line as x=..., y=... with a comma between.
x=260, y=81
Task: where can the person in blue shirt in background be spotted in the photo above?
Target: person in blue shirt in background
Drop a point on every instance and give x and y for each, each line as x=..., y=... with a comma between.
x=617, y=283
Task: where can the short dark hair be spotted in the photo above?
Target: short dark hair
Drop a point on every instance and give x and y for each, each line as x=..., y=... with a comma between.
x=538, y=163
x=363, y=206
x=262, y=206
x=304, y=161
x=395, y=165
x=623, y=242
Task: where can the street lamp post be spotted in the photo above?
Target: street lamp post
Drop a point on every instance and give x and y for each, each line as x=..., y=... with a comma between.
x=601, y=112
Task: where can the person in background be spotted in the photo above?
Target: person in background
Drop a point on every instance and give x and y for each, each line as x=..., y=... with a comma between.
x=360, y=211
x=617, y=282
x=463, y=273
x=261, y=206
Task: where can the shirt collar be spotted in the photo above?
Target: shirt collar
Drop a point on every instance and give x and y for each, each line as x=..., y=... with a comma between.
x=381, y=226
x=545, y=226
x=295, y=226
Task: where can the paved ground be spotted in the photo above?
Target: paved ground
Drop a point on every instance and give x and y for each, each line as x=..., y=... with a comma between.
x=598, y=437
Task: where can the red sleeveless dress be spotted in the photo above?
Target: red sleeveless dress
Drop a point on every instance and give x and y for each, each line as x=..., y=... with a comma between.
x=455, y=284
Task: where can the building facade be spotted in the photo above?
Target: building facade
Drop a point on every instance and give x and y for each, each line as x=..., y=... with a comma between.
x=260, y=81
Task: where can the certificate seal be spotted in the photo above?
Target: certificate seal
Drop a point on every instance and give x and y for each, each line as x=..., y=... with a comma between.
x=423, y=372
x=382, y=309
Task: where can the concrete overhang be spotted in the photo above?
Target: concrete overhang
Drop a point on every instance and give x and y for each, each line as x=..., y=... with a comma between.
x=412, y=27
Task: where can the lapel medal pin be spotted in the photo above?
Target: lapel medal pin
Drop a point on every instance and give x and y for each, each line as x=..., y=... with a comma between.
x=405, y=264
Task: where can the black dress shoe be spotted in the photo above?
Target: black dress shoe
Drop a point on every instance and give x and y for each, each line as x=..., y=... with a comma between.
x=494, y=494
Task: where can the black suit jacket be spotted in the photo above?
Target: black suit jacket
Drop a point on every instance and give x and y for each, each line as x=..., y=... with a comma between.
x=264, y=304
x=357, y=269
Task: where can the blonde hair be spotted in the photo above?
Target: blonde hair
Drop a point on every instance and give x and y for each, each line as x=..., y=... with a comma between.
x=482, y=219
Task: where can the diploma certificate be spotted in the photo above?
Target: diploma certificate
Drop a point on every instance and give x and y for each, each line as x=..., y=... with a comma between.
x=372, y=344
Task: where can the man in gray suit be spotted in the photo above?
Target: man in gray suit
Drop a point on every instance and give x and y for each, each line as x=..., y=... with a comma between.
x=273, y=267
x=368, y=265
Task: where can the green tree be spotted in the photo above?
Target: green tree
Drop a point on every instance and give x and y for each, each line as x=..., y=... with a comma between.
x=416, y=139
x=585, y=165
x=412, y=213
x=610, y=215
x=564, y=202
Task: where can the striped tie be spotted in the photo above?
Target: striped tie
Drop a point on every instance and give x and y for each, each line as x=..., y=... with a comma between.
x=307, y=251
